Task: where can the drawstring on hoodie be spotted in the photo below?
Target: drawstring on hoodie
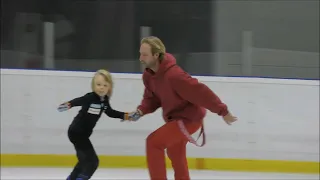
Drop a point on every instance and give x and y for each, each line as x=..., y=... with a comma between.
x=190, y=138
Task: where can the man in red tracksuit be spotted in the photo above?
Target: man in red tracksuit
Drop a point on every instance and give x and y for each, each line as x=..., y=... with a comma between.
x=184, y=101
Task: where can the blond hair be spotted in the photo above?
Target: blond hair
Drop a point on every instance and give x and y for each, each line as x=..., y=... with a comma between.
x=107, y=77
x=156, y=44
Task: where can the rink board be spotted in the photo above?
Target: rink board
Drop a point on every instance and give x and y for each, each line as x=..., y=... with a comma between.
x=277, y=131
x=45, y=160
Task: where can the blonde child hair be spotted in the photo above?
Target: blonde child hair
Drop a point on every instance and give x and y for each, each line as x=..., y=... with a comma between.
x=107, y=77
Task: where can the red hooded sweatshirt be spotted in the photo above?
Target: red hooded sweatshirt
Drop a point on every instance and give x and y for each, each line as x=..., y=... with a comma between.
x=179, y=95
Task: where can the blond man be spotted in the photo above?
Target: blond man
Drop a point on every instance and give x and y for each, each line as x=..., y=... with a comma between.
x=184, y=101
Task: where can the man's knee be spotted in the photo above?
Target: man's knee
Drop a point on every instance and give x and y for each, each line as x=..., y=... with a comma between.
x=150, y=140
x=153, y=140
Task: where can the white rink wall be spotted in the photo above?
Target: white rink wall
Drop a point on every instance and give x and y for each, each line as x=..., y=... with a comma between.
x=278, y=118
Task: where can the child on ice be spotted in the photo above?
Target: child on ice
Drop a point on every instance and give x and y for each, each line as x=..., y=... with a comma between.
x=93, y=104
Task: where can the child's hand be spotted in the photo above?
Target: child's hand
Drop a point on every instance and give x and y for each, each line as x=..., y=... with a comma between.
x=64, y=107
x=132, y=116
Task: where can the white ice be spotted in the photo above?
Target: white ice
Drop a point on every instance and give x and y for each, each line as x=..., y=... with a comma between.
x=139, y=174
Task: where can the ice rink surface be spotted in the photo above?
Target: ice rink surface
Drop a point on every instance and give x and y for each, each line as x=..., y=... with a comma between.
x=139, y=174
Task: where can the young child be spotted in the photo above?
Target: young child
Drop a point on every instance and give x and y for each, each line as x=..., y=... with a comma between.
x=93, y=104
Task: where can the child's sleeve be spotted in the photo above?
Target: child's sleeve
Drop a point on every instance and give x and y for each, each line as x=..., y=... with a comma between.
x=114, y=113
x=79, y=101
x=109, y=111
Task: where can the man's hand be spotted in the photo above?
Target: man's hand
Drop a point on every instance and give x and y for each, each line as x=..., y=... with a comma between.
x=229, y=118
x=133, y=116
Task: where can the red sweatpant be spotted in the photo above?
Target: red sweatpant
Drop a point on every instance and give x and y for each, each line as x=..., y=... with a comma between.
x=169, y=137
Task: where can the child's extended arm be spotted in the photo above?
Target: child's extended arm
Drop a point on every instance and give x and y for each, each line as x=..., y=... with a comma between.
x=109, y=111
x=115, y=114
x=79, y=101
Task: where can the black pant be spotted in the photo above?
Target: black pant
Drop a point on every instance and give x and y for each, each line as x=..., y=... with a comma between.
x=88, y=161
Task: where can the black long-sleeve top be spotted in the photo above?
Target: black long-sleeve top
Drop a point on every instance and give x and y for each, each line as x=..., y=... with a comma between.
x=92, y=107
